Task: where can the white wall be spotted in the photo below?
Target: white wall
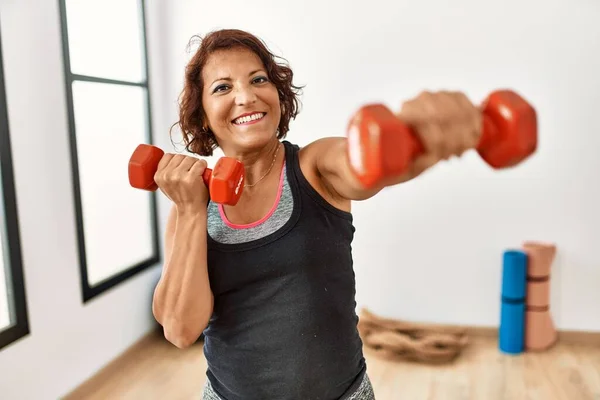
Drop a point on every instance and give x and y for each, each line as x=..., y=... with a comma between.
x=431, y=250
x=69, y=341
x=350, y=55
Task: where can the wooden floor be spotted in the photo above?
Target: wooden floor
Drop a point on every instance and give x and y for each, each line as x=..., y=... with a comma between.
x=154, y=369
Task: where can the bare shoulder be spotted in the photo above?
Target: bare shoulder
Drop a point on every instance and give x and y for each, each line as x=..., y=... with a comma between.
x=311, y=157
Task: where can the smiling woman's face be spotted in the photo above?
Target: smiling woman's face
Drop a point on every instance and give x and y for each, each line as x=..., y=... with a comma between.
x=241, y=104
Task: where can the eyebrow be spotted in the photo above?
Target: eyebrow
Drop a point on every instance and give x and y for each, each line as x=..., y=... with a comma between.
x=229, y=79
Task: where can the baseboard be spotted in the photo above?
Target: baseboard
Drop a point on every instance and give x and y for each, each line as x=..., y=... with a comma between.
x=572, y=337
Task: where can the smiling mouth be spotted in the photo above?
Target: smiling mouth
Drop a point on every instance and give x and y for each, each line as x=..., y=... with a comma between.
x=248, y=119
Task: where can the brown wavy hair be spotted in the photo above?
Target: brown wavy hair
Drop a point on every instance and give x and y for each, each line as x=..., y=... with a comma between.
x=197, y=136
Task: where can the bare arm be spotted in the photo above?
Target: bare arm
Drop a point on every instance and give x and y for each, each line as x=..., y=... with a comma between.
x=446, y=123
x=183, y=300
x=330, y=158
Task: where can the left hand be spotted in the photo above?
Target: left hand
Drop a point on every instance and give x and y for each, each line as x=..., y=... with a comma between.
x=447, y=124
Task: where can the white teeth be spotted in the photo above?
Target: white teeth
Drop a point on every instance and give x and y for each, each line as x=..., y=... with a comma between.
x=248, y=118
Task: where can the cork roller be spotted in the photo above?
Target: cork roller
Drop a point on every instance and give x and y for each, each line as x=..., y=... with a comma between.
x=540, y=331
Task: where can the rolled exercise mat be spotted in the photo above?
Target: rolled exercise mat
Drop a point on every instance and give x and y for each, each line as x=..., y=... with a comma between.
x=511, y=335
x=540, y=332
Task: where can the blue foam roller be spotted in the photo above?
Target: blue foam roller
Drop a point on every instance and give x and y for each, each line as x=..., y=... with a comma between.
x=512, y=328
x=514, y=275
x=512, y=314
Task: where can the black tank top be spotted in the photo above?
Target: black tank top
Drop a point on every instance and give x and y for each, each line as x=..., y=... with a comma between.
x=284, y=324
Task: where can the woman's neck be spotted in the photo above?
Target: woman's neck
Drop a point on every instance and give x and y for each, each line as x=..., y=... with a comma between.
x=261, y=163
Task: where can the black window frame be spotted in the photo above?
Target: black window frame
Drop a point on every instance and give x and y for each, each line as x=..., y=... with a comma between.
x=89, y=292
x=14, y=255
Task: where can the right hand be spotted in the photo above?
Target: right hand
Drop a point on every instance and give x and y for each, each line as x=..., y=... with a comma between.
x=179, y=177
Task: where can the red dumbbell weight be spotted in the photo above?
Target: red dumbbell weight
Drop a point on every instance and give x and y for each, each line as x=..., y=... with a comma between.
x=224, y=182
x=381, y=145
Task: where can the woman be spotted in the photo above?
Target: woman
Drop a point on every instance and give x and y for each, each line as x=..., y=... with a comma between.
x=270, y=281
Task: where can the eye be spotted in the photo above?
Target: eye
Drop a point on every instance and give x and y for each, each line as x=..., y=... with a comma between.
x=220, y=88
x=260, y=79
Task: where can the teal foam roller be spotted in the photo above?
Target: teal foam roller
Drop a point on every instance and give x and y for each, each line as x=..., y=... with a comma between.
x=511, y=337
x=512, y=314
x=514, y=275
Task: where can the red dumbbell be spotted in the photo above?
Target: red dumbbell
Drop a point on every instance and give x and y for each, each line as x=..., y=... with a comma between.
x=224, y=182
x=381, y=145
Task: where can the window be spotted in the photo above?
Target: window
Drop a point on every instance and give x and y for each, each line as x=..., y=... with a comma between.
x=108, y=100
x=14, y=322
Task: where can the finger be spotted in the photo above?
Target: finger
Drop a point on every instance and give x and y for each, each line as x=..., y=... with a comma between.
x=435, y=140
x=469, y=111
x=427, y=131
x=429, y=114
x=198, y=168
x=186, y=163
x=464, y=105
x=176, y=161
x=160, y=169
x=416, y=114
x=410, y=113
x=476, y=126
x=164, y=161
x=459, y=134
x=444, y=108
x=470, y=119
x=449, y=106
x=464, y=122
x=417, y=110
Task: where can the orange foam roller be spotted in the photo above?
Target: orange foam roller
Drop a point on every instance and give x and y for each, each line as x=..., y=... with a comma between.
x=540, y=330
x=538, y=294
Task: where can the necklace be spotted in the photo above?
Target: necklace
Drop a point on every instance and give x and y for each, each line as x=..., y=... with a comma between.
x=269, y=170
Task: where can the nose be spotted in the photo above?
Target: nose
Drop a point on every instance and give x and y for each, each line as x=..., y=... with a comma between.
x=245, y=95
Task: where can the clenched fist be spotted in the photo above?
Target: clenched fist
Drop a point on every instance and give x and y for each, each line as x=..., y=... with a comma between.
x=447, y=124
x=179, y=177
